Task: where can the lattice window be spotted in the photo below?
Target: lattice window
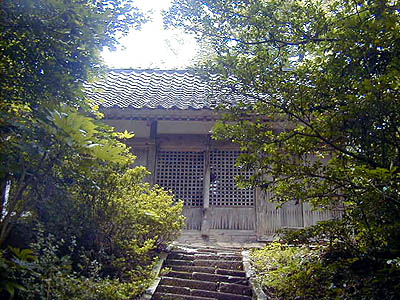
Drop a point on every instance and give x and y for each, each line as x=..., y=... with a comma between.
x=223, y=189
x=183, y=173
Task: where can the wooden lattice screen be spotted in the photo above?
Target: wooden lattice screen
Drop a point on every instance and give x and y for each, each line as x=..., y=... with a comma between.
x=223, y=189
x=183, y=173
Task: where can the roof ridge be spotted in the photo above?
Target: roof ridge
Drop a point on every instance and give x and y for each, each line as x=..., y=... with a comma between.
x=150, y=70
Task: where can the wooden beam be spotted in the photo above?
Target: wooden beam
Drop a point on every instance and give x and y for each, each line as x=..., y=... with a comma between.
x=153, y=129
x=206, y=182
x=151, y=163
x=205, y=226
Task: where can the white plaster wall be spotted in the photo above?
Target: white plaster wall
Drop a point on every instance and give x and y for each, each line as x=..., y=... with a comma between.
x=184, y=127
x=141, y=129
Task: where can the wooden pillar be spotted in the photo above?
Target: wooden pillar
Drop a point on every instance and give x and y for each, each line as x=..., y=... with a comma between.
x=205, y=226
x=151, y=163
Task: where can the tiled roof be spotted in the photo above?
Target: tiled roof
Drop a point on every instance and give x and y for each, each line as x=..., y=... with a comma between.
x=150, y=89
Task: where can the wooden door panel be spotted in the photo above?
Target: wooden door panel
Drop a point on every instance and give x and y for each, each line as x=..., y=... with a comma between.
x=194, y=217
x=232, y=218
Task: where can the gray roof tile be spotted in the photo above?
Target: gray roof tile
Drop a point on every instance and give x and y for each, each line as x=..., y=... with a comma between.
x=151, y=89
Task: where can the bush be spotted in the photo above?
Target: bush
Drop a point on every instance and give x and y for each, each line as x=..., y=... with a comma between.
x=324, y=272
x=123, y=219
x=119, y=223
x=45, y=273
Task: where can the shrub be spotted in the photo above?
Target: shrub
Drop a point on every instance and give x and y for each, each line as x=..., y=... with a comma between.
x=119, y=222
x=324, y=272
x=125, y=219
x=45, y=273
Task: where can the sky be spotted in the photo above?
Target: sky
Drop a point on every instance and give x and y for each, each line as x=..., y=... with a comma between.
x=153, y=46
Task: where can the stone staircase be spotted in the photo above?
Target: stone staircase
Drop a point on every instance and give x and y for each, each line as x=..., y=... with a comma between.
x=204, y=273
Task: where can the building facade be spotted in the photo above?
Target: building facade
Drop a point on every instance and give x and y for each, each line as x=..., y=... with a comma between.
x=172, y=114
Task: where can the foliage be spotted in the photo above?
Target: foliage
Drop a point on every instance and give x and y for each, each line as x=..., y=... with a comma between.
x=48, y=49
x=45, y=273
x=35, y=169
x=277, y=263
x=304, y=272
x=332, y=232
x=321, y=121
x=9, y=269
x=118, y=221
x=117, y=217
x=126, y=208
x=62, y=168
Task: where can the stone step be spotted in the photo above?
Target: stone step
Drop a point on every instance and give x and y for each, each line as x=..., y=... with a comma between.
x=208, y=277
x=210, y=270
x=180, y=274
x=189, y=283
x=190, y=269
x=168, y=296
x=208, y=250
x=204, y=274
x=233, y=288
x=179, y=262
x=220, y=278
x=222, y=264
x=190, y=256
x=184, y=286
x=170, y=289
x=197, y=294
x=238, y=273
x=219, y=295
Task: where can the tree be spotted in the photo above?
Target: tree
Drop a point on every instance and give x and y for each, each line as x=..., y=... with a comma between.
x=322, y=121
x=61, y=168
x=48, y=49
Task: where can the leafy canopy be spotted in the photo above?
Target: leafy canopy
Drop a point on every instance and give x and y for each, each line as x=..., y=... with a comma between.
x=62, y=168
x=322, y=120
x=321, y=124
x=48, y=49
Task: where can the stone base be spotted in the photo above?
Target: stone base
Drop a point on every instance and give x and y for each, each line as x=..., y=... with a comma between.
x=221, y=238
